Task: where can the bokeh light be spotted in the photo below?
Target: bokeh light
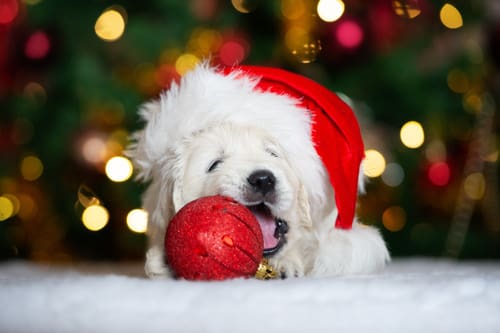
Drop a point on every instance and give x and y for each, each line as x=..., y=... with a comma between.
x=394, y=218
x=436, y=151
x=94, y=149
x=28, y=208
x=475, y=186
x=8, y=11
x=185, y=63
x=119, y=169
x=15, y=202
x=35, y=91
x=439, y=173
x=293, y=9
x=373, y=164
x=406, y=8
x=307, y=52
x=86, y=197
x=244, y=6
x=330, y=10
x=31, y=167
x=450, y=16
x=472, y=102
x=232, y=52
x=95, y=217
x=492, y=157
x=202, y=42
x=296, y=36
x=6, y=208
x=393, y=175
x=110, y=25
x=412, y=134
x=137, y=220
x=349, y=34
x=37, y=45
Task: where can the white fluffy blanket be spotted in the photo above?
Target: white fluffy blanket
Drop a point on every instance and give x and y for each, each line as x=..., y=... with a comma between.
x=409, y=296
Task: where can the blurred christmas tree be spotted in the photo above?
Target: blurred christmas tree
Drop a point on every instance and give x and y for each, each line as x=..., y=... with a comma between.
x=422, y=76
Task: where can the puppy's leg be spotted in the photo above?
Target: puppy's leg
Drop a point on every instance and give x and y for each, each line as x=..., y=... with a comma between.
x=155, y=266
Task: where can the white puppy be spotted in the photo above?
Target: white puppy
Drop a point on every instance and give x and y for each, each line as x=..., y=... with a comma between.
x=218, y=134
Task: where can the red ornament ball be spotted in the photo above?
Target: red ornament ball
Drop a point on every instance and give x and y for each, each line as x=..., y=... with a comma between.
x=214, y=238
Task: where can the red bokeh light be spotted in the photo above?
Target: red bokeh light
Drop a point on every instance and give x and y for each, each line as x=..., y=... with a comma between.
x=37, y=46
x=8, y=11
x=439, y=174
x=232, y=52
x=349, y=34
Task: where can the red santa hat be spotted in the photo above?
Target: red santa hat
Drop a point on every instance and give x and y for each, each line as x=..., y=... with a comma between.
x=335, y=131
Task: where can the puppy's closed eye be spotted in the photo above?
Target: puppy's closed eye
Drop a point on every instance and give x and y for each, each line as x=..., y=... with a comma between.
x=272, y=152
x=213, y=165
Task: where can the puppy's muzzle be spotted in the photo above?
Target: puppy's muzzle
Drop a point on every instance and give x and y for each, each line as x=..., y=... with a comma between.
x=262, y=181
x=263, y=188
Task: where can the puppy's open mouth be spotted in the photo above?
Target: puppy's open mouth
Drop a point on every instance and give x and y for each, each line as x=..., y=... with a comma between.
x=273, y=228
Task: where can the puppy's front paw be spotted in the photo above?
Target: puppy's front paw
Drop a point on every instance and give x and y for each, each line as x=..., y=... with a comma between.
x=290, y=268
x=155, y=266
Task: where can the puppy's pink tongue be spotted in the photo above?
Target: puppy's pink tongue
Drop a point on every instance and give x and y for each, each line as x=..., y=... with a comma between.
x=268, y=226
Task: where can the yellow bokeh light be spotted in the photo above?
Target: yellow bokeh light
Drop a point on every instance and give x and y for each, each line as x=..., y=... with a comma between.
x=409, y=9
x=293, y=9
x=492, y=157
x=137, y=220
x=472, y=102
x=110, y=25
x=450, y=16
x=296, y=37
x=475, y=186
x=185, y=63
x=15, y=202
x=6, y=208
x=330, y=10
x=412, y=134
x=31, y=168
x=394, y=218
x=119, y=169
x=27, y=207
x=86, y=197
x=95, y=217
x=243, y=6
x=374, y=163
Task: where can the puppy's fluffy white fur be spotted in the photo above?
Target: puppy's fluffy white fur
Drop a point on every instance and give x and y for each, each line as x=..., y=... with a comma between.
x=211, y=117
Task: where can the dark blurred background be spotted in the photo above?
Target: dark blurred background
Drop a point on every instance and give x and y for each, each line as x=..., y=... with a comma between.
x=421, y=75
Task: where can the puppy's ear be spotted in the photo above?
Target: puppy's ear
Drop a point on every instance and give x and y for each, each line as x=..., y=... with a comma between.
x=143, y=149
x=304, y=207
x=177, y=199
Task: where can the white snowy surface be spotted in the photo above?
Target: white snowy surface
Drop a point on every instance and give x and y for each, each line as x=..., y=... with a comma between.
x=414, y=295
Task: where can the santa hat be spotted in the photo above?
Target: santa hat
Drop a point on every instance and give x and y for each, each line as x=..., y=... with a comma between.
x=335, y=131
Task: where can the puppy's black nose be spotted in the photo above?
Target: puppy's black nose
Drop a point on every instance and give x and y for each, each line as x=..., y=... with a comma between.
x=262, y=181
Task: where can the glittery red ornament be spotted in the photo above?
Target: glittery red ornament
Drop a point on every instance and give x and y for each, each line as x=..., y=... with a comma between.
x=214, y=238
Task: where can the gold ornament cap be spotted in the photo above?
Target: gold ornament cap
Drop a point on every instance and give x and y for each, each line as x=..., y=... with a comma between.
x=265, y=271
